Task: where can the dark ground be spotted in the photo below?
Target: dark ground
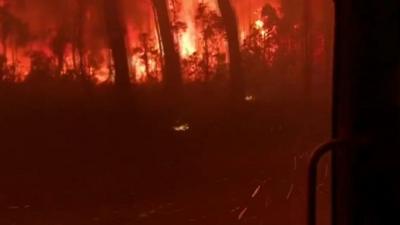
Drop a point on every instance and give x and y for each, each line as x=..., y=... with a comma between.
x=86, y=158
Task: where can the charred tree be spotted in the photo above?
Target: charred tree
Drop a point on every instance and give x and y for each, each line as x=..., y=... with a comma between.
x=172, y=74
x=206, y=57
x=144, y=39
x=58, y=45
x=3, y=67
x=79, y=36
x=235, y=64
x=116, y=36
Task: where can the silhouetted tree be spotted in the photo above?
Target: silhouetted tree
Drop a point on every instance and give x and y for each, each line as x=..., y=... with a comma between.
x=172, y=74
x=178, y=26
x=235, y=65
x=58, y=45
x=116, y=36
x=270, y=15
x=145, y=59
x=79, y=32
x=261, y=45
x=41, y=68
x=144, y=39
x=297, y=13
x=212, y=30
x=3, y=67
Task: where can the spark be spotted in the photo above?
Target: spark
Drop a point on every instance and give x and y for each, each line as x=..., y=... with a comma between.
x=290, y=192
x=256, y=191
x=241, y=214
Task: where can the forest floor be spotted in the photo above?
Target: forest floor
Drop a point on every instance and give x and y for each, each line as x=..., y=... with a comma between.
x=73, y=159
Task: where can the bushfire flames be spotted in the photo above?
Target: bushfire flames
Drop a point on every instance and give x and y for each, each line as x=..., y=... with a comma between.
x=66, y=47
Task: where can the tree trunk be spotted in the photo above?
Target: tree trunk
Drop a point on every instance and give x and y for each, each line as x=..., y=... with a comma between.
x=235, y=64
x=79, y=37
x=58, y=46
x=116, y=36
x=144, y=39
x=172, y=74
x=206, y=57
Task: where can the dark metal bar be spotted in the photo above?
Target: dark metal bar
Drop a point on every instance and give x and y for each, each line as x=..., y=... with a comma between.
x=313, y=174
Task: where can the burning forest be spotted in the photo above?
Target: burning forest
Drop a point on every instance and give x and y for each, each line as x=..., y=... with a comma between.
x=100, y=42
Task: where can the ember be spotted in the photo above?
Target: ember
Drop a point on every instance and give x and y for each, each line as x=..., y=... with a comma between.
x=182, y=127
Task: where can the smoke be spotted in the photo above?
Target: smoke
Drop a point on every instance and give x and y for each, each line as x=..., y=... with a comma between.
x=45, y=16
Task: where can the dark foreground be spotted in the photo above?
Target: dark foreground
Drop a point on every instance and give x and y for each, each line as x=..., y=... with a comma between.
x=72, y=159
